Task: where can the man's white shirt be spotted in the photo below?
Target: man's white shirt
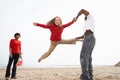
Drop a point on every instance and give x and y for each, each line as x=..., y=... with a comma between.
x=89, y=23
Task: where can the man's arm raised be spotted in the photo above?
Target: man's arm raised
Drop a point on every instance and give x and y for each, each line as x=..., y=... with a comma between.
x=82, y=11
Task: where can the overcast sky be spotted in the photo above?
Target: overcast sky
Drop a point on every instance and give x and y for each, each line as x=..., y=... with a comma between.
x=18, y=16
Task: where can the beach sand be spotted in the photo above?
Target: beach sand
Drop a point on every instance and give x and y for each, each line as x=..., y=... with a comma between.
x=100, y=73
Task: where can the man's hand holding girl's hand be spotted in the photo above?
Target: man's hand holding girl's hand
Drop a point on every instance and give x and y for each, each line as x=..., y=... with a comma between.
x=74, y=19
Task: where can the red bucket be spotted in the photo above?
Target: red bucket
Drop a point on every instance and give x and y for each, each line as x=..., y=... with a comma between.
x=20, y=62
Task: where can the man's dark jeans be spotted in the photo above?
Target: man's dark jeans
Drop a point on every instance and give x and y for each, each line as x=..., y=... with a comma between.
x=85, y=57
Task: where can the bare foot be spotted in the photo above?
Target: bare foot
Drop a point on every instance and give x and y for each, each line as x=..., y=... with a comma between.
x=39, y=60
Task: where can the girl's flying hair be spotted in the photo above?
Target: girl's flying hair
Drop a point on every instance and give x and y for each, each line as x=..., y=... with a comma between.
x=52, y=21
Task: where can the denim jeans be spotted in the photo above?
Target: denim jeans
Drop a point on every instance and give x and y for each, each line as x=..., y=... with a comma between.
x=13, y=60
x=86, y=57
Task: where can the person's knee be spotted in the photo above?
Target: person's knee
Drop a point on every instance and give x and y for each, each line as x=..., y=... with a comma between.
x=84, y=59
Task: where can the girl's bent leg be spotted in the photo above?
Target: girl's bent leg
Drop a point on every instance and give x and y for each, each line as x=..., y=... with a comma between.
x=46, y=54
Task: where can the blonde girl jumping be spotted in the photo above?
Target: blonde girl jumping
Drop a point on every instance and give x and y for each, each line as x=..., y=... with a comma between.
x=56, y=28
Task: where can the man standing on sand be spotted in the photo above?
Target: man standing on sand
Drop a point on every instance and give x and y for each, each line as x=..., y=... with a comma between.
x=15, y=52
x=88, y=45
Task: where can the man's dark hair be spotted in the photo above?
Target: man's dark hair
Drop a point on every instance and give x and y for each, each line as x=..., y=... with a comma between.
x=16, y=34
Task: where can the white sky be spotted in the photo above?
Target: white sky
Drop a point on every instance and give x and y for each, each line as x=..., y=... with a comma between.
x=18, y=16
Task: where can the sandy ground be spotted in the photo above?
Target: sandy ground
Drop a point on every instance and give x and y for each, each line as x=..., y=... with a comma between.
x=100, y=73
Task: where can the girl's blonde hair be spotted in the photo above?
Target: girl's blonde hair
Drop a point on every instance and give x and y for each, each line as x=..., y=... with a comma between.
x=52, y=21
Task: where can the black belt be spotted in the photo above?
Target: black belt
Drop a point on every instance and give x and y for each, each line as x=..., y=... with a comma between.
x=88, y=32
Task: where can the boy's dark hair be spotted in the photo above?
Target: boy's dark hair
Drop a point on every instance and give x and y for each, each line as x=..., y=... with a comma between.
x=16, y=34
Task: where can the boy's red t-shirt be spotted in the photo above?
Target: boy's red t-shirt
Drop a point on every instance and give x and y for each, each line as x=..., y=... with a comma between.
x=56, y=32
x=15, y=45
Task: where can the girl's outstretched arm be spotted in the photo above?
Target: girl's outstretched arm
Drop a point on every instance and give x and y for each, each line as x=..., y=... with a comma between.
x=70, y=23
x=40, y=25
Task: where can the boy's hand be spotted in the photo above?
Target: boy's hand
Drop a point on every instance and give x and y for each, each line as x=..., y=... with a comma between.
x=10, y=55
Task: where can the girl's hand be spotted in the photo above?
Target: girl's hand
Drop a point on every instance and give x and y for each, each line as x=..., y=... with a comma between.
x=34, y=23
x=74, y=19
